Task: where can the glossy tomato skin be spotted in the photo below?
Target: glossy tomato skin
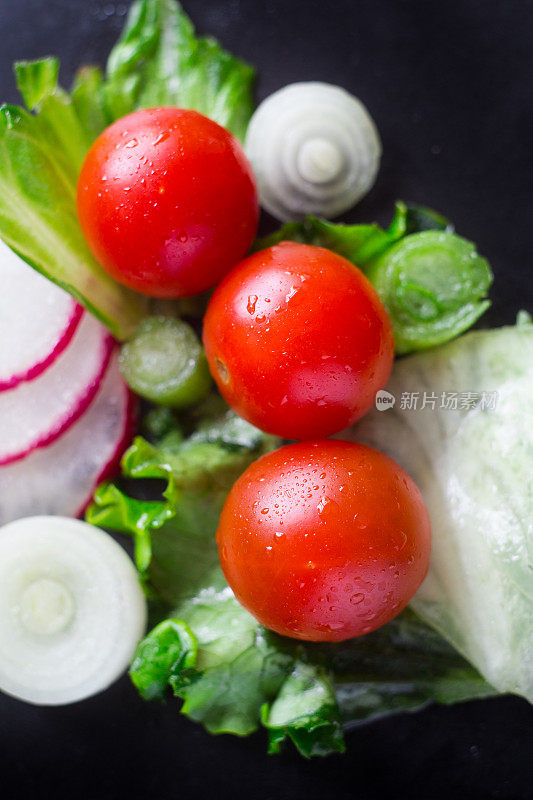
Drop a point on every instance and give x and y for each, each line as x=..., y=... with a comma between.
x=167, y=201
x=324, y=541
x=298, y=341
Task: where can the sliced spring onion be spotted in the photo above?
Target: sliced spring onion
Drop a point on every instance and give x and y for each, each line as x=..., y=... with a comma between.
x=314, y=149
x=71, y=610
x=165, y=362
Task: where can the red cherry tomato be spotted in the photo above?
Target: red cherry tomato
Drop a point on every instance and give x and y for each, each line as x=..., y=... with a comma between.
x=167, y=201
x=324, y=540
x=298, y=341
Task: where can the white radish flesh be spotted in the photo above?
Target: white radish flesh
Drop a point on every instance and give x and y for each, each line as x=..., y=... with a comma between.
x=36, y=412
x=60, y=479
x=71, y=610
x=314, y=149
x=37, y=320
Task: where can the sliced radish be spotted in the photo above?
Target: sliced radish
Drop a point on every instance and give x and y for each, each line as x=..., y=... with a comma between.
x=61, y=478
x=38, y=411
x=71, y=610
x=37, y=320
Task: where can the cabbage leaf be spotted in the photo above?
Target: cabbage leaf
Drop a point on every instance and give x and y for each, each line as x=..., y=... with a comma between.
x=468, y=444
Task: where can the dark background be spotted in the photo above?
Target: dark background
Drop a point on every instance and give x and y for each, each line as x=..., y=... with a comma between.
x=450, y=85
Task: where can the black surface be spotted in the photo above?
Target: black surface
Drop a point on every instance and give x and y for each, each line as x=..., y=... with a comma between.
x=450, y=86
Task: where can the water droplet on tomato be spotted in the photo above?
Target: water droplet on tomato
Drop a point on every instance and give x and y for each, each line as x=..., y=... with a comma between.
x=162, y=137
x=357, y=598
x=327, y=508
x=291, y=293
x=322, y=504
x=252, y=300
x=131, y=143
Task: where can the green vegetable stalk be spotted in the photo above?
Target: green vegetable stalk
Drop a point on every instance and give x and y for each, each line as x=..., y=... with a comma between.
x=433, y=284
x=164, y=362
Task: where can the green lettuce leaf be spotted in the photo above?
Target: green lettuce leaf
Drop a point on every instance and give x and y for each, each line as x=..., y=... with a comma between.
x=230, y=673
x=40, y=157
x=159, y=61
x=432, y=282
x=88, y=98
x=359, y=243
x=170, y=649
x=198, y=471
x=421, y=218
x=402, y=666
x=306, y=712
x=462, y=426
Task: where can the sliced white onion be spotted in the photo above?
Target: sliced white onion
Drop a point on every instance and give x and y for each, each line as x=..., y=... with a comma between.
x=61, y=478
x=314, y=149
x=36, y=412
x=71, y=610
x=37, y=320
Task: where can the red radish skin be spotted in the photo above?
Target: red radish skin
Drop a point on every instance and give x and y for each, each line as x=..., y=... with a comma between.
x=111, y=469
x=67, y=416
x=40, y=366
x=37, y=320
x=60, y=479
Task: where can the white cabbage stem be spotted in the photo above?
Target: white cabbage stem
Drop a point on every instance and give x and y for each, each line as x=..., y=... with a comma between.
x=314, y=149
x=71, y=610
